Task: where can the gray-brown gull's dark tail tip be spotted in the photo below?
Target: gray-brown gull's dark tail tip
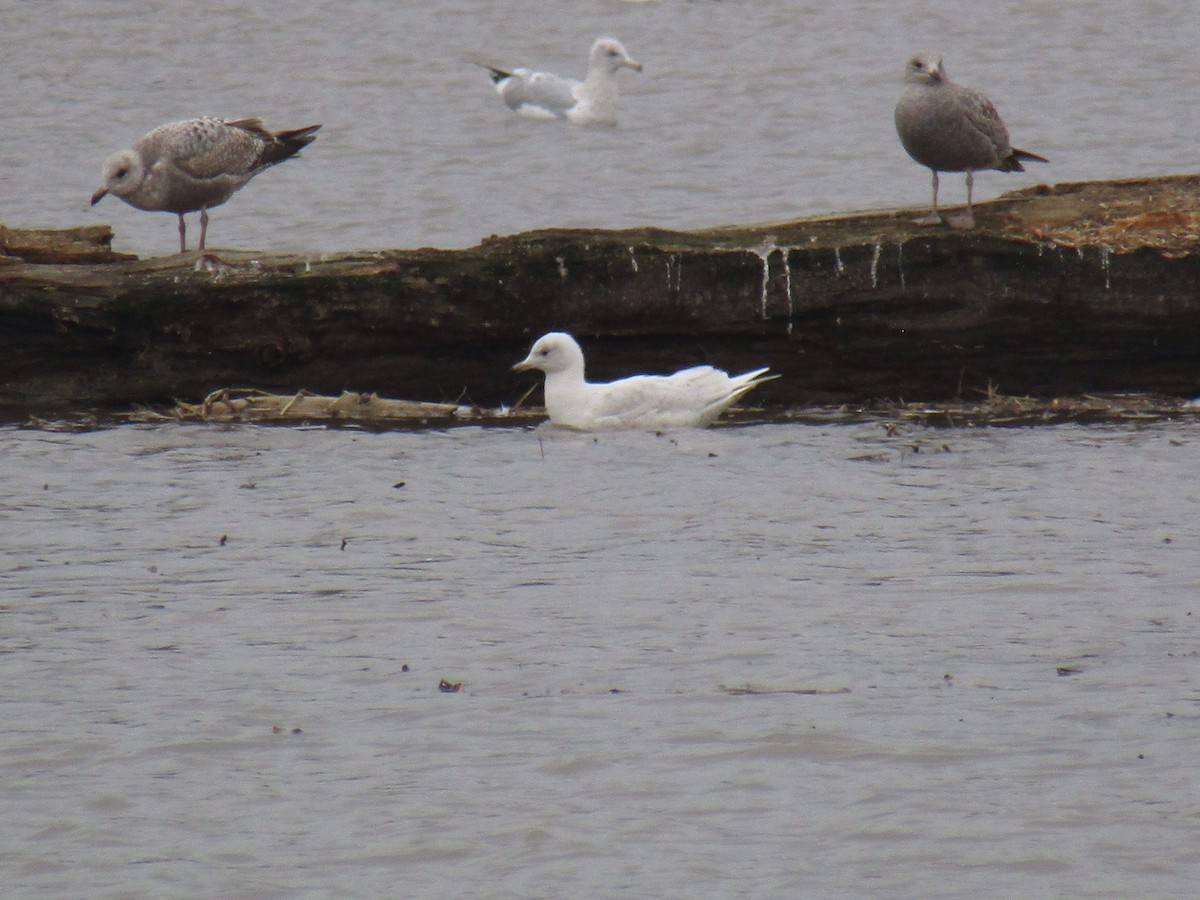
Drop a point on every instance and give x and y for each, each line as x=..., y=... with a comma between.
x=1014, y=160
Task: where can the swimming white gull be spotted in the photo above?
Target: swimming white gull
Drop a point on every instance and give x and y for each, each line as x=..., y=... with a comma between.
x=592, y=101
x=691, y=398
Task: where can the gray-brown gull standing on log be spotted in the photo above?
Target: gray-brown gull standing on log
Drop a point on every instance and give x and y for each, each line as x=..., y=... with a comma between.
x=197, y=164
x=691, y=398
x=952, y=128
x=592, y=101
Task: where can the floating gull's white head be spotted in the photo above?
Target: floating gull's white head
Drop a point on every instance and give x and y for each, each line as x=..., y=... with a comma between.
x=553, y=353
x=596, y=97
x=608, y=54
x=690, y=398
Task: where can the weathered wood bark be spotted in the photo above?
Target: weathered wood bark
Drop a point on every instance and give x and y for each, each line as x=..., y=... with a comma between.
x=1061, y=290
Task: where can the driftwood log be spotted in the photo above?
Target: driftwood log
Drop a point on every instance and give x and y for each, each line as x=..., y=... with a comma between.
x=1061, y=291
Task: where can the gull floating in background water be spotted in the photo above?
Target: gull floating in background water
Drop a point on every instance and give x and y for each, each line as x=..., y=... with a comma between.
x=592, y=101
x=691, y=398
x=197, y=164
x=952, y=128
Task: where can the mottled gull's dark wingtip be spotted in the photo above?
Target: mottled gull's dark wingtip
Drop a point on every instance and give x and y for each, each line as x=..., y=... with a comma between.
x=301, y=136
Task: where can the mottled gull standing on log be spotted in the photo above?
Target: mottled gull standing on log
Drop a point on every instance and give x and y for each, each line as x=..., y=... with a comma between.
x=592, y=101
x=197, y=164
x=952, y=128
x=691, y=398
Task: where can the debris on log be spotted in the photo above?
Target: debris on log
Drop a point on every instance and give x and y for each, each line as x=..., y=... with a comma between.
x=252, y=405
x=998, y=410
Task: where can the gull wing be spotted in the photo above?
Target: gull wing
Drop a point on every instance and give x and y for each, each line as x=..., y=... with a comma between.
x=982, y=117
x=688, y=399
x=541, y=93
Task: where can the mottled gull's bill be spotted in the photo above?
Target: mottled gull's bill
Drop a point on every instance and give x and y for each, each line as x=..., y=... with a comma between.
x=592, y=101
x=197, y=164
x=952, y=128
x=691, y=398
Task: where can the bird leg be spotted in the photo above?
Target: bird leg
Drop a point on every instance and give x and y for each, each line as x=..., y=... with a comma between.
x=207, y=262
x=933, y=217
x=182, y=235
x=966, y=221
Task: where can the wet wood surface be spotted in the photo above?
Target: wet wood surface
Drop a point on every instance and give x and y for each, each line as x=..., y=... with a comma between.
x=1060, y=291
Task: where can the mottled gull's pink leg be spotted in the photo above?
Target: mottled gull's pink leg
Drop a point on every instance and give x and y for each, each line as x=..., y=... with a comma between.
x=203, y=227
x=182, y=235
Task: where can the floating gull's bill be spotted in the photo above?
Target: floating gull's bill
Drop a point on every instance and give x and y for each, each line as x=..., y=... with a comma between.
x=691, y=398
x=197, y=164
x=592, y=101
x=952, y=128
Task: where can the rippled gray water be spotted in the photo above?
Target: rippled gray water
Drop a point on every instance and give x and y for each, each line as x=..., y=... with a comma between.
x=203, y=635
x=756, y=110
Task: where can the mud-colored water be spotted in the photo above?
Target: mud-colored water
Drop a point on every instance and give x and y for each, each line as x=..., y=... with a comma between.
x=204, y=633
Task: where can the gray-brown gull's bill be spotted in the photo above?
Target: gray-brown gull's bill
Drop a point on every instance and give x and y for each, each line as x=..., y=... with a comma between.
x=197, y=164
x=691, y=398
x=952, y=128
x=592, y=101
